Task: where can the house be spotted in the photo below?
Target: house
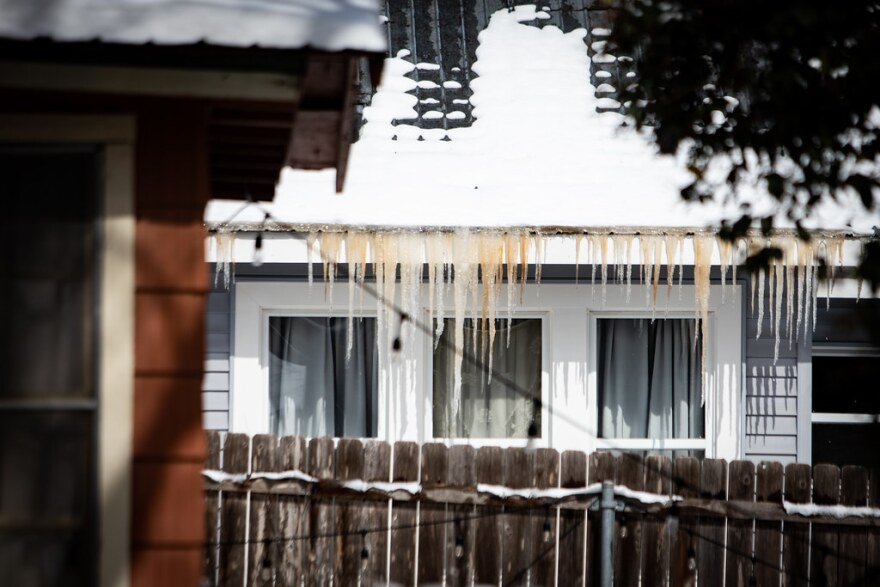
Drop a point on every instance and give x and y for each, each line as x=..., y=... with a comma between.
x=496, y=206
x=118, y=121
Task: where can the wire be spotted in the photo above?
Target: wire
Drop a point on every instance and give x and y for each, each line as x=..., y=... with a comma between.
x=363, y=531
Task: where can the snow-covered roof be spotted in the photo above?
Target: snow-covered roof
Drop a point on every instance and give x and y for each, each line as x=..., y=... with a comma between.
x=540, y=149
x=332, y=25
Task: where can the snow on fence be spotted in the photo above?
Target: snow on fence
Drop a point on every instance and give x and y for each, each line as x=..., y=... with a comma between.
x=296, y=511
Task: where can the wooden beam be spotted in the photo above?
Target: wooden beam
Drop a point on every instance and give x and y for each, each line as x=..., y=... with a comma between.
x=688, y=507
x=235, y=85
x=314, y=140
x=346, y=123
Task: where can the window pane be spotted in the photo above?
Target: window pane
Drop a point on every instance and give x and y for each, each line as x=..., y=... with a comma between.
x=846, y=444
x=46, y=492
x=489, y=408
x=314, y=389
x=846, y=385
x=47, y=260
x=649, y=379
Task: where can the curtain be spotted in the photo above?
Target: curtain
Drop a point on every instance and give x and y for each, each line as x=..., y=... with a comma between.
x=313, y=389
x=489, y=409
x=649, y=379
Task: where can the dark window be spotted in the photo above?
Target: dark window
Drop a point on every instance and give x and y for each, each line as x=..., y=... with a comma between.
x=846, y=406
x=48, y=260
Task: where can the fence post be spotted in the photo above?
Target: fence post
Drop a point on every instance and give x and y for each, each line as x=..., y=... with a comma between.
x=607, y=505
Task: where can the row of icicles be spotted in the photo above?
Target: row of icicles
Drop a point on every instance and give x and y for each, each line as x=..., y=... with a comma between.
x=472, y=265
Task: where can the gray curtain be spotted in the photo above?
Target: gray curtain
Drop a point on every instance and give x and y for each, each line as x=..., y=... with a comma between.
x=489, y=409
x=313, y=389
x=649, y=379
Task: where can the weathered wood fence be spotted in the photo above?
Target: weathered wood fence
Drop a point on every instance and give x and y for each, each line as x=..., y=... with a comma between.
x=295, y=511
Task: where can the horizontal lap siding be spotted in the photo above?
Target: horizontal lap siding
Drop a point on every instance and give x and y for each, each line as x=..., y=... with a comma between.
x=773, y=405
x=215, y=385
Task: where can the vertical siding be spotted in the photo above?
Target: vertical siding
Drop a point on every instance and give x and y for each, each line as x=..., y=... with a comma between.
x=215, y=384
x=776, y=392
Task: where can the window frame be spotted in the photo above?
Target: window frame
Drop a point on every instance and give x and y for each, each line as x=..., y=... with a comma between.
x=653, y=444
x=428, y=384
x=568, y=379
x=115, y=136
x=267, y=314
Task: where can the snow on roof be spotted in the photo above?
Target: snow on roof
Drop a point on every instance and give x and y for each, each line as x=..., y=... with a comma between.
x=537, y=154
x=332, y=25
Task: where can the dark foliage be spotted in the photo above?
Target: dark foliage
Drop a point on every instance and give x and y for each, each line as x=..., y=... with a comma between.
x=784, y=90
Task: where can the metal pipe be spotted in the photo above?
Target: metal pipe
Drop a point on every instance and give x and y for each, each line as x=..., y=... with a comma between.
x=607, y=505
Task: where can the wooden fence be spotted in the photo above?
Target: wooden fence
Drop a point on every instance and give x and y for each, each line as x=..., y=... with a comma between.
x=295, y=511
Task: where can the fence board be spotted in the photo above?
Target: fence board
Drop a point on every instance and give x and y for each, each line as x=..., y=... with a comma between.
x=377, y=467
x=212, y=513
x=502, y=539
x=741, y=486
x=487, y=559
x=262, y=535
x=350, y=517
x=796, y=541
x=710, y=542
x=686, y=483
x=823, y=549
x=515, y=563
x=432, y=530
x=322, y=545
x=853, y=540
x=628, y=539
x=768, y=535
x=293, y=518
x=572, y=528
x=234, y=514
x=460, y=534
x=655, y=561
x=405, y=467
x=545, y=474
x=602, y=467
x=873, y=547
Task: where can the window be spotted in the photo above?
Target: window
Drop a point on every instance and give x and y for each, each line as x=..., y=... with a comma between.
x=649, y=378
x=553, y=355
x=846, y=406
x=499, y=404
x=321, y=382
x=48, y=398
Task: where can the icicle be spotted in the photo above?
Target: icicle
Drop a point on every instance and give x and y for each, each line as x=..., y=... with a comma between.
x=779, y=271
x=617, y=242
x=577, y=257
x=647, y=258
x=672, y=244
x=629, y=248
x=724, y=256
x=310, y=247
x=805, y=255
x=703, y=246
x=603, y=243
x=462, y=261
x=434, y=247
x=352, y=280
x=224, y=242
x=834, y=259
x=510, y=250
x=762, y=273
x=790, y=256
x=734, y=262
x=658, y=263
x=539, y=256
x=330, y=246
